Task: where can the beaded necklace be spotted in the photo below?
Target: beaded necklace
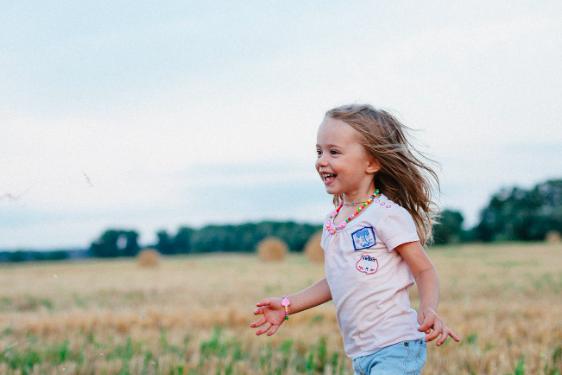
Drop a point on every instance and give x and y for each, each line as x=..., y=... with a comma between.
x=332, y=228
x=353, y=203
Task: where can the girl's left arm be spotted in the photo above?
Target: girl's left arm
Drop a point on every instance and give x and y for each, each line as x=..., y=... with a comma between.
x=428, y=286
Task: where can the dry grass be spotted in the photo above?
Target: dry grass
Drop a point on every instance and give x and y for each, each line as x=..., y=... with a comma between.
x=272, y=249
x=191, y=315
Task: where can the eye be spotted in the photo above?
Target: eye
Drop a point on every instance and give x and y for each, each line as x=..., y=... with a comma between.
x=318, y=152
x=334, y=152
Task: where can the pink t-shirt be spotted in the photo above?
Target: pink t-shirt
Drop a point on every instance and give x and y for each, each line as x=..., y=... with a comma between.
x=369, y=281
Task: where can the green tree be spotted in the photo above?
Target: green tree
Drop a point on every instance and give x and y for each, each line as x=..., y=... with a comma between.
x=182, y=240
x=523, y=215
x=449, y=228
x=106, y=245
x=131, y=248
x=114, y=243
x=165, y=244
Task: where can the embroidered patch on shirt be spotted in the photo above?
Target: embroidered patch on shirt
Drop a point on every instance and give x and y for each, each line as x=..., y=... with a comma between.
x=367, y=264
x=363, y=238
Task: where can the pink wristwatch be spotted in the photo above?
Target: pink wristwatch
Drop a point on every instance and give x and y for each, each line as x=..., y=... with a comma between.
x=285, y=303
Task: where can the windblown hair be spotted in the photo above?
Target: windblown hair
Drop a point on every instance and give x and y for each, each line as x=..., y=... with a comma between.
x=404, y=178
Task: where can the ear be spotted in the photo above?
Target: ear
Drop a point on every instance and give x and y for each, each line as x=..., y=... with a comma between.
x=373, y=166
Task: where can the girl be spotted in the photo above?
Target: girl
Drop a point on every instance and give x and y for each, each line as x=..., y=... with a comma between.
x=373, y=245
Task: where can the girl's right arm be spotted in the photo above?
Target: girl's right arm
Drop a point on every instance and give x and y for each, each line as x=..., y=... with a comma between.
x=274, y=313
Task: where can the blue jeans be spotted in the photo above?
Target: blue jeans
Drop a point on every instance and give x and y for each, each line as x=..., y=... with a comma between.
x=406, y=357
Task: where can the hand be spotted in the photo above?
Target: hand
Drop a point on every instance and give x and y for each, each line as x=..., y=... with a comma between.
x=435, y=327
x=273, y=316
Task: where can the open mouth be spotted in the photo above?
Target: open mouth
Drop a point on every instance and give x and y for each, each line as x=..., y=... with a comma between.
x=328, y=177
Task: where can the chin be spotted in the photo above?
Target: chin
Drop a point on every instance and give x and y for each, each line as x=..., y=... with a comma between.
x=332, y=191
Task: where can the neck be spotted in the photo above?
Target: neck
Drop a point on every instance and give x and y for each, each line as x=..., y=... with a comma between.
x=356, y=198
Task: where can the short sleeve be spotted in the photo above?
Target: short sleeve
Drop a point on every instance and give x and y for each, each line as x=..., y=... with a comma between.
x=396, y=228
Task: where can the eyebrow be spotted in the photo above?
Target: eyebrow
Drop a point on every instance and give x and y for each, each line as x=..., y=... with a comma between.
x=330, y=145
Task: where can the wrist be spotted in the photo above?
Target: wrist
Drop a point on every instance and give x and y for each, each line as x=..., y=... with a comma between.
x=429, y=309
x=286, y=302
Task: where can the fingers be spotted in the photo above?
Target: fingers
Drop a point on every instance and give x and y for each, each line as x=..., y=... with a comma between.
x=263, y=302
x=437, y=330
x=427, y=323
x=263, y=330
x=273, y=329
x=434, y=328
x=259, y=322
x=270, y=328
x=444, y=335
x=455, y=337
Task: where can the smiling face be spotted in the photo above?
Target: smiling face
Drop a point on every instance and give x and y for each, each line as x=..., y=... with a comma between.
x=344, y=165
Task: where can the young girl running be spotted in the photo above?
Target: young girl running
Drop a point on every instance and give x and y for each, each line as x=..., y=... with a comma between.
x=373, y=245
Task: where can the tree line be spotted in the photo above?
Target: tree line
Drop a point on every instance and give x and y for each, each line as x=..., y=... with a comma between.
x=512, y=214
x=210, y=238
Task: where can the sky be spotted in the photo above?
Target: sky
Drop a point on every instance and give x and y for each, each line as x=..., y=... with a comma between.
x=150, y=115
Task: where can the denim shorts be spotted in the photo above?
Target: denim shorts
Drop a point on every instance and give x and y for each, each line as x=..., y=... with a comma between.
x=406, y=357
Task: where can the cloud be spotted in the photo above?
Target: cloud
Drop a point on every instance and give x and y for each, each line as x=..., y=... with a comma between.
x=147, y=118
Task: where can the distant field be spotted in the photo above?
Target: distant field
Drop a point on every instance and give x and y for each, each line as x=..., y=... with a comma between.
x=191, y=315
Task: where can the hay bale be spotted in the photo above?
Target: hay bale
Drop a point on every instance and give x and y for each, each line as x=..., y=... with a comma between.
x=553, y=237
x=148, y=258
x=313, y=250
x=272, y=249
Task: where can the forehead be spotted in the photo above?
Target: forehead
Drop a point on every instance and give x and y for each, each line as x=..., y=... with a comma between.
x=337, y=132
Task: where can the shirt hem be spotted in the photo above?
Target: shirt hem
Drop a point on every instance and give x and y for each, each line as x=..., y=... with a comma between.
x=369, y=352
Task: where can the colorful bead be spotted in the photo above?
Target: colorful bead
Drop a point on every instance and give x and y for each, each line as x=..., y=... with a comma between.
x=332, y=229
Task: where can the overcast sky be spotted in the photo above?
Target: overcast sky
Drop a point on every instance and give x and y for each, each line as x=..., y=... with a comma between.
x=148, y=115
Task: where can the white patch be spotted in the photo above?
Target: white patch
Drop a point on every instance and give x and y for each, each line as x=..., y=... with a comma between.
x=367, y=264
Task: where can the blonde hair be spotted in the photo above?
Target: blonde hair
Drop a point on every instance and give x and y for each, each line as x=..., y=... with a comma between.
x=404, y=178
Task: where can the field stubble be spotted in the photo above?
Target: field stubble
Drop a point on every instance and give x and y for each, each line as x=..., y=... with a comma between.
x=191, y=315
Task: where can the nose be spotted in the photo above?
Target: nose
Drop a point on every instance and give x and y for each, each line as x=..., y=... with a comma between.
x=321, y=161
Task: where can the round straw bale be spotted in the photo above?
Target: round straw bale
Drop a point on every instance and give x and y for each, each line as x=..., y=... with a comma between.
x=553, y=237
x=313, y=250
x=148, y=258
x=272, y=249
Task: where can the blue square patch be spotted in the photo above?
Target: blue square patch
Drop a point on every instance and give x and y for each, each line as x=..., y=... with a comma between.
x=363, y=238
